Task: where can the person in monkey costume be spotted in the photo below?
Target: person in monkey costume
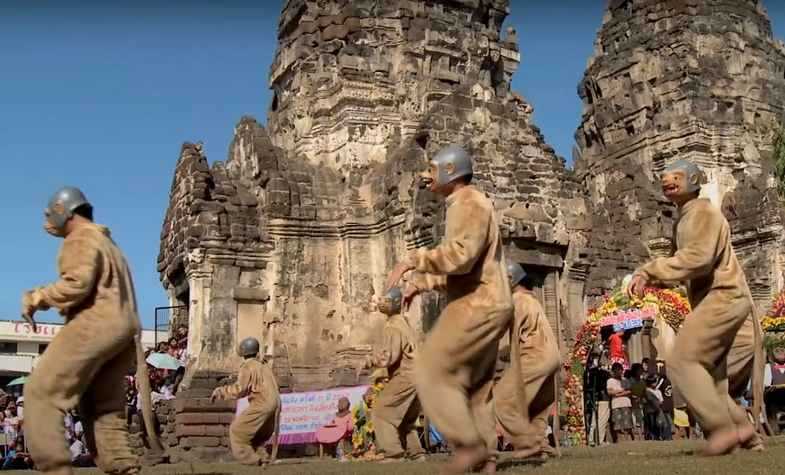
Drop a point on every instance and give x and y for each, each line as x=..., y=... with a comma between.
x=525, y=393
x=746, y=363
x=698, y=363
x=87, y=361
x=257, y=423
x=455, y=369
x=397, y=407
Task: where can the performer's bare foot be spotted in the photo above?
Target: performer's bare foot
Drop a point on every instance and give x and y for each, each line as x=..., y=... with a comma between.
x=747, y=434
x=722, y=442
x=464, y=459
x=548, y=451
x=489, y=467
x=523, y=454
x=754, y=445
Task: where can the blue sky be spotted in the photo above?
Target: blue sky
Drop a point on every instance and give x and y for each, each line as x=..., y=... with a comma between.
x=101, y=96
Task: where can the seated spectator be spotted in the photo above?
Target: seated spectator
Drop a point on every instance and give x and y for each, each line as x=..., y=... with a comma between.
x=182, y=336
x=161, y=392
x=15, y=460
x=338, y=432
x=437, y=442
x=178, y=378
x=182, y=344
x=80, y=457
x=78, y=427
x=174, y=348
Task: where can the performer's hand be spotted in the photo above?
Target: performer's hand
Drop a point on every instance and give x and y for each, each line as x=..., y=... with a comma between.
x=214, y=396
x=29, y=308
x=396, y=274
x=637, y=286
x=409, y=292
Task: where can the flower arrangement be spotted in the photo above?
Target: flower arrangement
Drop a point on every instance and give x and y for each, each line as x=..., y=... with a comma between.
x=363, y=437
x=774, y=322
x=772, y=341
x=617, y=309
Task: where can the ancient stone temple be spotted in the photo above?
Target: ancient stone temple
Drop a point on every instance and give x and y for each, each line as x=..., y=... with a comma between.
x=292, y=236
x=698, y=80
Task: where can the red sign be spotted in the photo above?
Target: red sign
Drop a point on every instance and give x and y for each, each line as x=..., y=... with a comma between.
x=21, y=328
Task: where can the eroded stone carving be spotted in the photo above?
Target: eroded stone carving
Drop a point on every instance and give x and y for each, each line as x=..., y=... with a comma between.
x=313, y=210
x=696, y=80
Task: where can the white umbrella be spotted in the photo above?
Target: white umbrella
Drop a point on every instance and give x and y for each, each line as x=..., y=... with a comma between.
x=163, y=361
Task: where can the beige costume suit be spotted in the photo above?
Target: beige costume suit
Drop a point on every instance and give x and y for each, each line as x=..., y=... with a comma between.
x=256, y=424
x=454, y=373
x=88, y=359
x=717, y=288
x=397, y=408
x=525, y=393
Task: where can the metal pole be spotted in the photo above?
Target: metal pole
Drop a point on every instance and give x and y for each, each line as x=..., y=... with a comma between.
x=556, y=422
x=155, y=330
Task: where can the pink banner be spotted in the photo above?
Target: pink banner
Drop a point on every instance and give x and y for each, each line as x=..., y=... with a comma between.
x=646, y=313
x=302, y=414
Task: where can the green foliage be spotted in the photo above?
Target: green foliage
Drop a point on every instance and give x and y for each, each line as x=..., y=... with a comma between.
x=779, y=158
x=621, y=299
x=772, y=341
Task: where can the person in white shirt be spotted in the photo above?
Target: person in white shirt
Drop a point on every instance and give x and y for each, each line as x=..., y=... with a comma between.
x=77, y=449
x=621, y=405
x=20, y=407
x=78, y=429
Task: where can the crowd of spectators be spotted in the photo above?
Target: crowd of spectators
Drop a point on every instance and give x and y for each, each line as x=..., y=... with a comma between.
x=164, y=382
x=15, y=456
x=628, y=401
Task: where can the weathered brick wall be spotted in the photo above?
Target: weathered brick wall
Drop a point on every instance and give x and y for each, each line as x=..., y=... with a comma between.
x=696, y=80
x=191, y=428
x=300, y=225
x=197, y=429
x=351, y=76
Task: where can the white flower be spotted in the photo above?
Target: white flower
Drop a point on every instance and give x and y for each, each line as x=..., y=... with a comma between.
x=625, y=283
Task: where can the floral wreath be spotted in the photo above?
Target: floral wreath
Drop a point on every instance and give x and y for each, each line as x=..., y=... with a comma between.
x=622, y=312
x=362, y=412
x=773, y=324
x=774, y=321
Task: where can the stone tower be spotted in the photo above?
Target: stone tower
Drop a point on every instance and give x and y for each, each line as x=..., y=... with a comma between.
x=696, y=80
x=292, y=236
x=351, y=79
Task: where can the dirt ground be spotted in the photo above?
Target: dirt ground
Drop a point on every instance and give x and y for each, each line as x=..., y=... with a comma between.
x=630, y=458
